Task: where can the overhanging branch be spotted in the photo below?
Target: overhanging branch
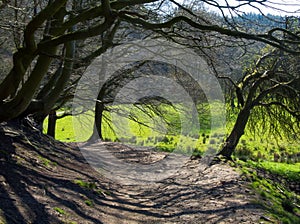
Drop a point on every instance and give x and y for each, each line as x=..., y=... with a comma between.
x=265, y=38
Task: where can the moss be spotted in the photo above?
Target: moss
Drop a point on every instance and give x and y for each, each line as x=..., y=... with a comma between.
x=46, y=162
x=60, y=210
x=84, y=184
x=89, y=203
x=278, y=200
x=102, y=192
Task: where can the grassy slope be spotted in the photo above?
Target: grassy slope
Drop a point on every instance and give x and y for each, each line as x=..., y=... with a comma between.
x=281, y=203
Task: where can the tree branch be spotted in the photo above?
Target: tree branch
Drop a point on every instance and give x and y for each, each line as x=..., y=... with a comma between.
x=270, y=40
x=77, y=35
x=38, y=20
x=296, y=114
x=272, y=89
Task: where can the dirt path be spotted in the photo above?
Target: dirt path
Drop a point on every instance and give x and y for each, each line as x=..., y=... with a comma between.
x=192, y=196
x=44, y=181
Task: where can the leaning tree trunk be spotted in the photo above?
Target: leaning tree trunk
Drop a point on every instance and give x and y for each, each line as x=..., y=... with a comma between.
x=50, y=98
x=21, y=101
x=23, y=58
x=236, y=133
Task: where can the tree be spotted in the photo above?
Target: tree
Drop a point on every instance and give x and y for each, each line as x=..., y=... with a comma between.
x=137, y=70
x=51, y=32
x=18, y=89
x=270, y=92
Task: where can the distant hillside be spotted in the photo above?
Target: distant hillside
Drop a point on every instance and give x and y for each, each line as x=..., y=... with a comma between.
x=260, y=23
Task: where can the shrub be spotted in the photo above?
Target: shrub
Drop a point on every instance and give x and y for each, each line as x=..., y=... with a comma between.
x=165, y=140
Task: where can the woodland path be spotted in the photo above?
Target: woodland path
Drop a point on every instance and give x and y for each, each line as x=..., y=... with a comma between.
x=45, y=181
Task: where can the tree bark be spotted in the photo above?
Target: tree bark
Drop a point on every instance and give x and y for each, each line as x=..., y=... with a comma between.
x=51, y=96
x=99, y=108
x=236, y=133
x=23, y=98
x=22, y=59
x=52, y=123
x=97, y=131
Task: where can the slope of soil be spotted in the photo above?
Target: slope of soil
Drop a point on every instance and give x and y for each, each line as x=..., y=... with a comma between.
x=46, y=181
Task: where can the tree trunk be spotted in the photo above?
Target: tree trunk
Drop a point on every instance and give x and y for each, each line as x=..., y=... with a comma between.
x=97, y=132
x=52, y=123
x=112, y=85
x=19, y=104
x=50, y=96
x=236, y=133
x=9, y=86
x=22, y=99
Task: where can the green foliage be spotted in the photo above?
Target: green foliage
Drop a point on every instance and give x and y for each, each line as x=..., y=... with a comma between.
x=243, y=152
x=165, y=137
x=264, y=147
x=164, y=132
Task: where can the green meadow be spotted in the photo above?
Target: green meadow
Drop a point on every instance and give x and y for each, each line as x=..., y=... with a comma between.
x=172, y=128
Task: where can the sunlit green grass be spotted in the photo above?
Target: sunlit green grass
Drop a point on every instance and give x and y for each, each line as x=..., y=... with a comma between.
x=281, y=203
x=288, y=171
x=166, y=134
x=64, y=130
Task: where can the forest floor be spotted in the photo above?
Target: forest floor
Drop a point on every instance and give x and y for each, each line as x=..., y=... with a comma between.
x=46, y=181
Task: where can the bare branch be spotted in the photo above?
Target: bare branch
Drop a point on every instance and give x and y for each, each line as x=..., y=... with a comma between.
x=268, y=39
